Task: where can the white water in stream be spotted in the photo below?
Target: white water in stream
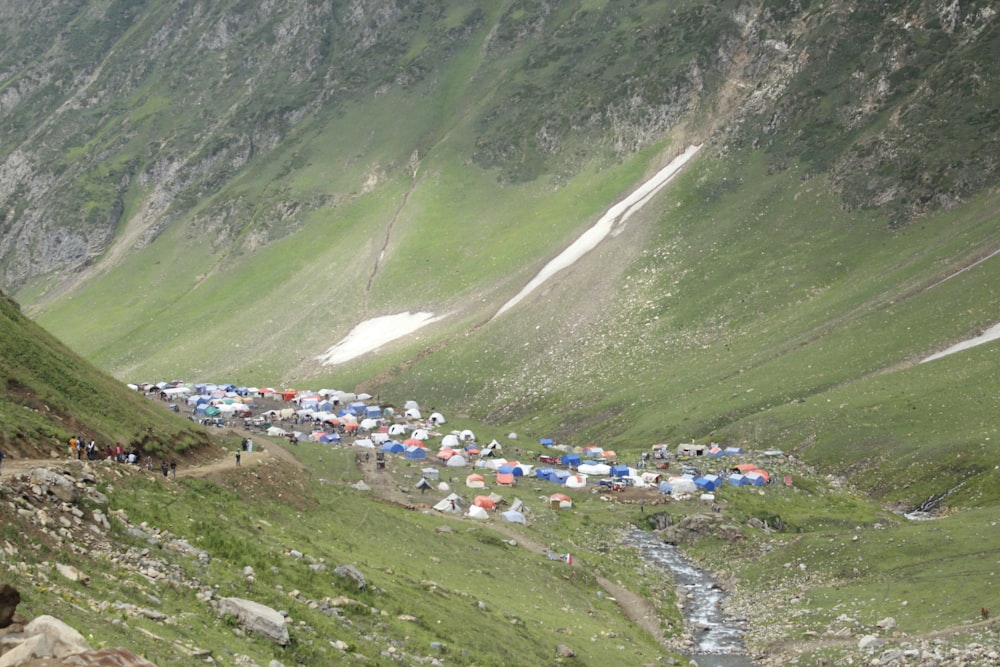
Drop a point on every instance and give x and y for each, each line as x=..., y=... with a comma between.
x=718, y=639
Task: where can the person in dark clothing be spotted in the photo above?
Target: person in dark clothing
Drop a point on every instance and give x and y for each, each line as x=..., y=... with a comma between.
x=237, y=457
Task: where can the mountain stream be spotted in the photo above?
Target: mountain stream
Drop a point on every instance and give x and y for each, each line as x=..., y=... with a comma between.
x=717, y=638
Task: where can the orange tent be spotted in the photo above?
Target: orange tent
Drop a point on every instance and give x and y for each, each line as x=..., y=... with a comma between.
x=446, y=453
x=762, y=473
x=745, y=467
x=506, y=478
x=485, y=502
x=413, y=442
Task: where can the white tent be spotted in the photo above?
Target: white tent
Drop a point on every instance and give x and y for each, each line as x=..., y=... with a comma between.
x=379, y=438
x=511, y=516
x=467, y=436
x=411, y=405
x=412, y=413
x=594, y=469
x=397, y=429
x=276, y=432
x=576, y=481
x=436, y=418
x=457, y=461
x=477, y=512
x=450, y=440
x=367, y=443
x=420, y=434
x=452, y=503
x=368, y=424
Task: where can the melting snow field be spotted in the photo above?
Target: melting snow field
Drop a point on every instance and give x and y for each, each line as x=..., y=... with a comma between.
x=616, y=215
x=374, y=333
x=990, y=334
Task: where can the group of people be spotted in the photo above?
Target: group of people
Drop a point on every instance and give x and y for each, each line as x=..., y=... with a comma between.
x=78, y=447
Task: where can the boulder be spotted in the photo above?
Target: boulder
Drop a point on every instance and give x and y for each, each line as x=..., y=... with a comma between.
x=257, y=618
x=61, y=486
x=352, y=573
x=44, y=637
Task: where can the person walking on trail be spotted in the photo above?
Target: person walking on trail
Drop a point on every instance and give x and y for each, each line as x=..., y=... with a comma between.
x=1, y=461
x=237, y=457
x=173, y=469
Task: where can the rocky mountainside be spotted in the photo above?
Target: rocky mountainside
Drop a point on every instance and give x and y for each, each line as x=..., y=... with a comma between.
x=121, y=119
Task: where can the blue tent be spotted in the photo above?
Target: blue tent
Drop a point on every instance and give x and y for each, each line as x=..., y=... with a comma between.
x=508, y=469
x=330, y=437
x=704, y=484
x=570, y=460
x=543, y=473
x=559, y=476
x=619, y=471
x=666, y=487
x=738, y=480
x=545, y=442
x=415, y=453
x=734, y=450
x=373, y=412
x=393, y=447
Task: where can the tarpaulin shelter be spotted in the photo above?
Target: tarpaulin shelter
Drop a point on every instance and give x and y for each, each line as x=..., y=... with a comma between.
x=452, y=503
x=512, y=516
x=485, y=502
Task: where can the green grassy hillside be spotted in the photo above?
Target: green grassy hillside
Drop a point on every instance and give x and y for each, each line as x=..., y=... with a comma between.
x=50, y=394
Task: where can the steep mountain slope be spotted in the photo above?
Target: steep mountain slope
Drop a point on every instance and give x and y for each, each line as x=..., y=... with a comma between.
x=50, y=394
x=226, y=191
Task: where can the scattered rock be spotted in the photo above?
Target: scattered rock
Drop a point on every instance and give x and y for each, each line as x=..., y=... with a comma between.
x=352, y=573
x=564, y=651
x=257, y=618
